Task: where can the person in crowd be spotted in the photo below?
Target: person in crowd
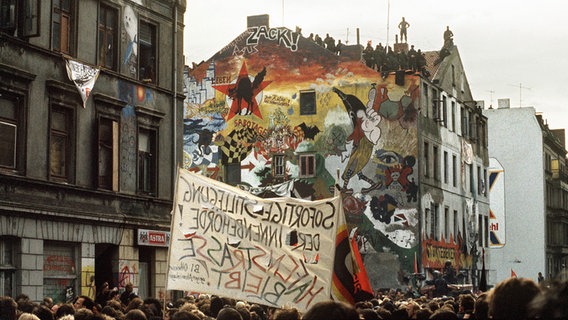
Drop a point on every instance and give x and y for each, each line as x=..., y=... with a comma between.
x=510, y=298
x=103, y=294
x=228, y=313
x=8, y=308
x=83, y=302
x=466, y=305
x=44, y=313
x=128, y=294
x=135, y=314
x=28, y=316
x=551, y=303
x=64, y=309
x=327, y=310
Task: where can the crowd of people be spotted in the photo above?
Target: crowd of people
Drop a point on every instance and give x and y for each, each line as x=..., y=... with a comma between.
x=512, y=299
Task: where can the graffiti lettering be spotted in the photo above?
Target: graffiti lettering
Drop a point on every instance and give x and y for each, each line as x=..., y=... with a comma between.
x=244, y=50
x=249, y=124
x=277, y=100
x=221, y=79
x=284, y=36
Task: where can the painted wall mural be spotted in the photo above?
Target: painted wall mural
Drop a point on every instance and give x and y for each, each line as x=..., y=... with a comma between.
x=358, y=134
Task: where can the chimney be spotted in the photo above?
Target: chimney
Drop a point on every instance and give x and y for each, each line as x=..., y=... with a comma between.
x=258, y=21
x=503, y=103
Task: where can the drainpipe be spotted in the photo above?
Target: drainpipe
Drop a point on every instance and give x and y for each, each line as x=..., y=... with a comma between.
x=174, y=95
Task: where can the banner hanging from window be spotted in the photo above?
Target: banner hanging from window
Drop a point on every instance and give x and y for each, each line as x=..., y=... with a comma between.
x=84, y=77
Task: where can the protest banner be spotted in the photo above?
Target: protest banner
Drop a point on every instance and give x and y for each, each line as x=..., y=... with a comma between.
x=227, y=242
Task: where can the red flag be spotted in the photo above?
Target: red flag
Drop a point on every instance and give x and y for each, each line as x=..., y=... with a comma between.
x=350, y=283
x=513, y=274
x=361, y=280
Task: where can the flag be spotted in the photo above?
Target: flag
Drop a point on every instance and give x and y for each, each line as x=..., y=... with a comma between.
x=83, y=76
x=350, y=282
x=513, y=274
x=362, y=284
x=483, y=279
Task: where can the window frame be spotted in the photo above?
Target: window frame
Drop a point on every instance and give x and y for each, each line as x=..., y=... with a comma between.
x=14, y=122
x=148, y=54
x=103, y=147
x=23, y=17
x=104, y=30
x=307, y=96
x=279, y=165
x=70, y=35
x=68, y=135
x=307, y=165
x=7, y=268
x=147, y=162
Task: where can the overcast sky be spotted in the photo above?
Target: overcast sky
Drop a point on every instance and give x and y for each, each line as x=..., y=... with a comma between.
x=510, y=48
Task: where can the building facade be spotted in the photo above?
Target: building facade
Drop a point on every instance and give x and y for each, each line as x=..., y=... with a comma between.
x=87, y=167
x=279, y=115
x=530, y=159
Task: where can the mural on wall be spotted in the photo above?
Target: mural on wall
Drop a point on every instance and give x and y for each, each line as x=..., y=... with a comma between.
x=130, y=39
x=362, y=137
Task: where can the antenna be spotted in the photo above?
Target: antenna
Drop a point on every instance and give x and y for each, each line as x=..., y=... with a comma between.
x=520, y=92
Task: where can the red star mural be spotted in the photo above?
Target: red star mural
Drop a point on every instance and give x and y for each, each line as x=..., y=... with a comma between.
x=243, y=93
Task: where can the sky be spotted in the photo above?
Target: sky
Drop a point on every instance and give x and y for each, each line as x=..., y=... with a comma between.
x=510, y=49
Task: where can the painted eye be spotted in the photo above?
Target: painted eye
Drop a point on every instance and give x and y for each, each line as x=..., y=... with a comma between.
x=388, y=157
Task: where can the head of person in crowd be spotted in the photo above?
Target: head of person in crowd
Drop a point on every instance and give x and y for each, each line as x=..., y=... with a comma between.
x=112, y=312
x=135, y=314
x=552, y=303
x=466, y=303
x=43, y=313
x=259, y=311
x=155, y=306
x=327, y=310
x=287, y=314
x=369, y=314
x=8, y=308
x=423, y=314
x=64, y=309
x=510, y=298
x=481, y=308
x=184, y=315
x=444, y=314
x=400, y=314
x=228, y=313
x=47, y=301
x=83, y=302
x=216, y=305
x=28, y=316
x=84, y=314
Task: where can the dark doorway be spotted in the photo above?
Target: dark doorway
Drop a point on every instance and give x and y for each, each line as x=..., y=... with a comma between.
x=106, y=255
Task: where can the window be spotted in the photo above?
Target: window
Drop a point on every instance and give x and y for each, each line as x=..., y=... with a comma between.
x=471, y=179
x=426, y=100
x=454, y=170
x=307, y=102
x=445, y=166
x=445, y=111
x=307, y=165
x=435, y=105
x=479, y=181
x=7, y=266
x=60, y=279
x=278, y=165
x=464, y=122
x=434, y=231
x=60, y=143
x=426, y=159
x=9, y=127
x=19, y=17
x=453, y=124
x=147, y=161
x=447, y=223
x=147, y=51
x=108, y=154
x=63, y=26
x=436, y=163
x=456, y=224
x=108, y=36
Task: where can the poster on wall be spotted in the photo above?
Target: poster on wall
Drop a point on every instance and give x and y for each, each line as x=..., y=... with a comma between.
x=497, y=204
x=269, y=251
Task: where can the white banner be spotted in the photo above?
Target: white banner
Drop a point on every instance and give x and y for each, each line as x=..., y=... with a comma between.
x=269, y=251
x=84, y=77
